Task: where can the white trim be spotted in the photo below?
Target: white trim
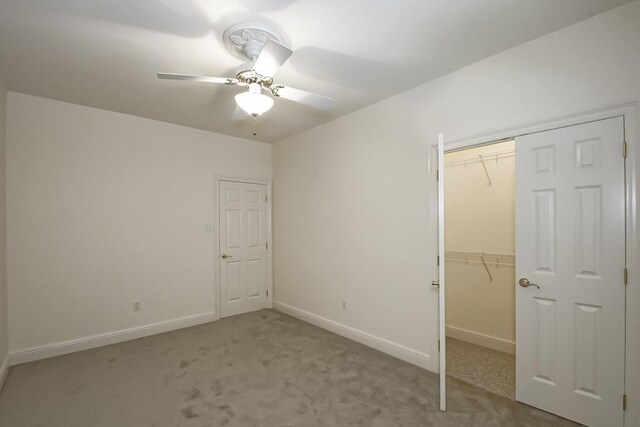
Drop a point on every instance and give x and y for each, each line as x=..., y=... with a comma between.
x=483, y=340
x=86, y=343
x=216, y=227
x=542, y=126
x=442, y=347
x=391, y=348
x=632, y=365
x=4, y=370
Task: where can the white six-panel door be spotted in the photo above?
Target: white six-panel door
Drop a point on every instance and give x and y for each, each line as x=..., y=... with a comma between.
x=570, y=241
x=243, y=247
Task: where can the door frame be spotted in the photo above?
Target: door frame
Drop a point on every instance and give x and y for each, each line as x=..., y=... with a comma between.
x=217, y=279
x=630, y=113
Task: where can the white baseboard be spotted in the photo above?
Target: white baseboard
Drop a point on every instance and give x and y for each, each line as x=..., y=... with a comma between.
x=4, y=370
x=484, y=340
x=407, y=354
x=86, y=343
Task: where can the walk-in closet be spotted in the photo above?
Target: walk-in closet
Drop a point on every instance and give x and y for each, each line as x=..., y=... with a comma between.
x=480, y=266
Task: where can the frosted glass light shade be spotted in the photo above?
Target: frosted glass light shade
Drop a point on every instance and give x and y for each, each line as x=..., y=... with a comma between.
x=254, y=103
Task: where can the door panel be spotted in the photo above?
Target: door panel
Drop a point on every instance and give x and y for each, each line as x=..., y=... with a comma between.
x=570, y=240
x=588, y=224
x=243, y=251
x=544, y=231
x=233, y=275
x=254, y=275
x=253, y=228
x=589, y=328
x=546, y=336
x=233, y=228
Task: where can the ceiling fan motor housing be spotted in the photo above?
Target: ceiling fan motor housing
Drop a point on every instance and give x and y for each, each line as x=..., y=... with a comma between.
x=252, y=48
x=249, y=76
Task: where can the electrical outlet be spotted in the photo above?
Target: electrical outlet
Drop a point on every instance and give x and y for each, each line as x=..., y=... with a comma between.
x=136, y=306
x=344, y=305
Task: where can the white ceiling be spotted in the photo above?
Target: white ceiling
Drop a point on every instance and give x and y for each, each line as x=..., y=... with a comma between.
x=105, y=53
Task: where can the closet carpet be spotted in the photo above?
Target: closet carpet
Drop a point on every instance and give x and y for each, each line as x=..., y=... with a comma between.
x=257, y=369
x=486, y=368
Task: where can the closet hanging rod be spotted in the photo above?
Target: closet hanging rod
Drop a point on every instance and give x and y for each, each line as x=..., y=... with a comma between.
x=470, y=261
x=465, y=254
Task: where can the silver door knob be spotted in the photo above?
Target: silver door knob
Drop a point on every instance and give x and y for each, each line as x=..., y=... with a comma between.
x=525, y=283
x=225, y=256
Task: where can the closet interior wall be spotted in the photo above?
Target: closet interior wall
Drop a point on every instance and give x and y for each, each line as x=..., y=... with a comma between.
x=480, y=243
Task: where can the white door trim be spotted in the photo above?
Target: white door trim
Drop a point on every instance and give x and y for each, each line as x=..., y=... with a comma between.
x=442, y=323
x=216, y=239
x=629, y=112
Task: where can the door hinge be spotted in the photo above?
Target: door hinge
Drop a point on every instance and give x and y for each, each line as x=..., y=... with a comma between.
x=265, y=198
x=438, y=345
x=266, y=245
x=267, y=293
x=624, y=149
x=626, y=276
x=438, y=260
x=624, y=402
x=437, y=175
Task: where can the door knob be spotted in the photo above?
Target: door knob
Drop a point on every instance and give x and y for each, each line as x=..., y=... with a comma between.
x=225, y=256
x=525, y=283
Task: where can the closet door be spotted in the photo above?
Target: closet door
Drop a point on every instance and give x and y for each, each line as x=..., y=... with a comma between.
x=570, y=261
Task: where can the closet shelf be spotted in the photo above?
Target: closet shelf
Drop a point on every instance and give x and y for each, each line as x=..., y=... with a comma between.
x=494, y=156
x=483, y=258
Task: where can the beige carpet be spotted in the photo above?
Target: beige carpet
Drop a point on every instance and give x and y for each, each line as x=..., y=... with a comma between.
x=491, y=370
x=257, y=369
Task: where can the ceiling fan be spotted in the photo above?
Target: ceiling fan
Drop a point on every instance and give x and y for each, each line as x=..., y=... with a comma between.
x=266, y=53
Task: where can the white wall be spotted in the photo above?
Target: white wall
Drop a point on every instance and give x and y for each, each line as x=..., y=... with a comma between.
x=4, y=320
x=354, y=212
x=106, y=208
x=481, y=218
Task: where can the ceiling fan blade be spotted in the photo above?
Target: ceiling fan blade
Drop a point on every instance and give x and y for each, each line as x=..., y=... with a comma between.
x=193, y=78
x=271, y=58
x=303, y=97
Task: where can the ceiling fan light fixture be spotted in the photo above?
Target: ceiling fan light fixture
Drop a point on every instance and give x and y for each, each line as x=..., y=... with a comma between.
x=254, y=102
x=266, y=53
